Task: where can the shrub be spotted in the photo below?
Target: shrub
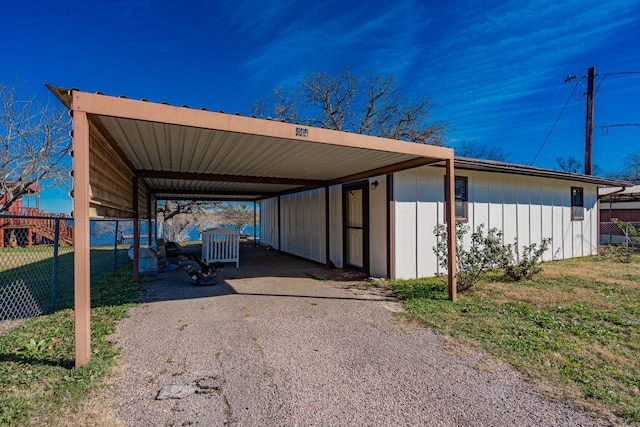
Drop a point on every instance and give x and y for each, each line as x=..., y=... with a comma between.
x=526, y=265
x=622, y=253
x=617, y=253
x=486, y=253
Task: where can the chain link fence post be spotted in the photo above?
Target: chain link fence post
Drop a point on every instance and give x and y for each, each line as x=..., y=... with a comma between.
x=54, y=279
x=115, y=248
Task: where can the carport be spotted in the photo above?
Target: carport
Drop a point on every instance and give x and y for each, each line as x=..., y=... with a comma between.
x=127, y=153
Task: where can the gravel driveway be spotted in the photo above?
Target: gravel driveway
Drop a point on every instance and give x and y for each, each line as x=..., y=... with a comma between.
x=273, y=345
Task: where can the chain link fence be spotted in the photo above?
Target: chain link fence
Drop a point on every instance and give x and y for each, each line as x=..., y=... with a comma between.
x=36, y=262
x=611, y=234
x=36, y=265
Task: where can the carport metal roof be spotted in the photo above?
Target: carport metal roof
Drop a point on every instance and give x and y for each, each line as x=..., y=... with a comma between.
x=126, y=153
x=179, y=152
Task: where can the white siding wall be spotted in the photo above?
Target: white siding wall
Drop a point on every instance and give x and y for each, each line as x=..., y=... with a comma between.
x=528, y=208
x=269, y=222
x=303, y=225
x=378, y=227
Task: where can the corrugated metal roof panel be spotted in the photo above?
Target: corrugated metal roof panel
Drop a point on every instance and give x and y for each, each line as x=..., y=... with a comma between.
x=163, y=147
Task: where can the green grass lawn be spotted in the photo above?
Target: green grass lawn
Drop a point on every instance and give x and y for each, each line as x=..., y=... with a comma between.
x=38, y=381
x=33, y=267
x=574, y=330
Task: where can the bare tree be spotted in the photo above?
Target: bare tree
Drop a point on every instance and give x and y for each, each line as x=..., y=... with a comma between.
x=34, y=143
x=475, y=151
x=569, y=164
x=281, y=103
x=176, y=228
x=572, y=165
x=179, y=216
x=235, y=216
x=373, y=105
x=631, y=169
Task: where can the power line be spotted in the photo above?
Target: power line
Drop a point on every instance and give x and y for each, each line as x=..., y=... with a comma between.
x=555, y=123
x=604, y=130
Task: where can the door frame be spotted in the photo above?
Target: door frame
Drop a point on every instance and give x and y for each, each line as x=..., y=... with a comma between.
x=364, y=186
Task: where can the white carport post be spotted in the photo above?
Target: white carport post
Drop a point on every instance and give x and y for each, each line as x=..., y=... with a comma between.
x=81, y=224
x=450, y=196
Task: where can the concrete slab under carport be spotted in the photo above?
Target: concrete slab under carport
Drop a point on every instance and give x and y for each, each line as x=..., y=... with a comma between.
x=262, y=271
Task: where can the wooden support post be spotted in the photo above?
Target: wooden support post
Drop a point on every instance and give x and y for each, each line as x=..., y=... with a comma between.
x=450, y=200
x=82, y=269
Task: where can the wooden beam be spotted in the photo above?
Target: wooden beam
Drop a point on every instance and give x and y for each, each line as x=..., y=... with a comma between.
x=82, y=269
x=212, y=177
x=413, y=163
x=165, y=194
x=408, y=164
x=450, y=200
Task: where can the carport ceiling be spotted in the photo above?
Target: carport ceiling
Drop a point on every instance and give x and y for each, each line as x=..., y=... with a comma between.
x=179, y=152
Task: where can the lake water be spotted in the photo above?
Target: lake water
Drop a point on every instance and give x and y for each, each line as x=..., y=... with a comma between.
x=103, y=232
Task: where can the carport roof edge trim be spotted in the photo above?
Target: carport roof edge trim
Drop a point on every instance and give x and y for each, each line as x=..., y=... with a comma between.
x=105, y=105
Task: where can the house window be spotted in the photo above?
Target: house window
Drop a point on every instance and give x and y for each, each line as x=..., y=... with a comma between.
x=462, y=197
x=577, y=203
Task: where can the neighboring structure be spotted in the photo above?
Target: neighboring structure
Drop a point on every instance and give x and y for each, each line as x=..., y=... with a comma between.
x=26, y=226
x=620, y=202
x=17, y=207
x=523, y=202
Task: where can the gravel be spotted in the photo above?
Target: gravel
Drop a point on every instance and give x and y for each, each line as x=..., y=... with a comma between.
x=272, y=345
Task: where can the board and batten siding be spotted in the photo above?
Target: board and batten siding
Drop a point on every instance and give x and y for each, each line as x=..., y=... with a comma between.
x=522, y=207
x=303, y=225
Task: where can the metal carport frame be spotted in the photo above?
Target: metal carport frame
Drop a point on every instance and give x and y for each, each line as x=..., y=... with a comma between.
x=126, y=151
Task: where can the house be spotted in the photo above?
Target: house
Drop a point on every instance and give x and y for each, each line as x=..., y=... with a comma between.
x=525, y=203
x=352, y=200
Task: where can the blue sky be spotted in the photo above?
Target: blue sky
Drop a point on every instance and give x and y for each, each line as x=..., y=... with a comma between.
x=494, y=69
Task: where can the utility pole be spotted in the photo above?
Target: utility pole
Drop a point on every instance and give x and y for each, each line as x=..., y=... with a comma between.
x=588, y=135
